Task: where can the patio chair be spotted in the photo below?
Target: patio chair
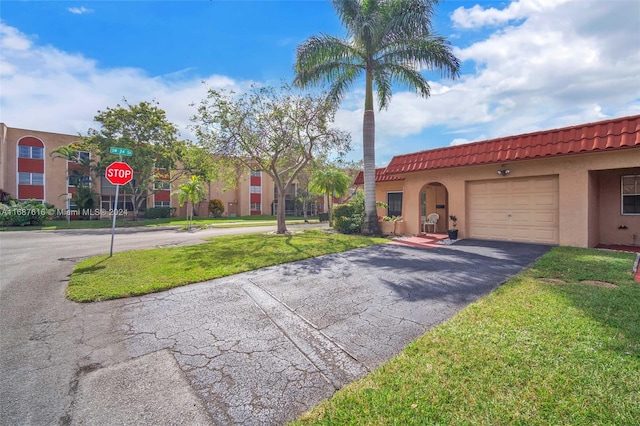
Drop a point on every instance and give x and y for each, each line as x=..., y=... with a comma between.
x=431, y=220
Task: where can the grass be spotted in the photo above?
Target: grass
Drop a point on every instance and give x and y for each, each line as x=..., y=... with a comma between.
x=530, y=353
x=222, y=222
x=146, y=271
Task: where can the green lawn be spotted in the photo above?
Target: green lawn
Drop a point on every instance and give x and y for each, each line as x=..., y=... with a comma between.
x=222, y=222
x=146, y=271
x=530, y=353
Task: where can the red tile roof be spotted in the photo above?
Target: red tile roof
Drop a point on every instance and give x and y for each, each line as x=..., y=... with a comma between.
x=610, y=135
x=381, y=176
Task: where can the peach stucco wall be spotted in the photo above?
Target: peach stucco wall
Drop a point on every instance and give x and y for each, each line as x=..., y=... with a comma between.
x=582, y=221
x=613, y=227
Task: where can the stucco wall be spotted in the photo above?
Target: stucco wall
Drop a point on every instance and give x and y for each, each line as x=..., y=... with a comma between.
x=577, y=221
x=613, y=226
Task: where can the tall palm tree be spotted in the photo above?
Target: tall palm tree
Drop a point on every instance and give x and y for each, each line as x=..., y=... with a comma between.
x=388, y=41
x=190, y=192
x=331, y=181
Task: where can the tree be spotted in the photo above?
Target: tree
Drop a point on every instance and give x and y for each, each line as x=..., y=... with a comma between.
x=191, y=193
x=275, y=130
x=388, y=41
x=79, y=175
x=144, y=129
x=332, y=182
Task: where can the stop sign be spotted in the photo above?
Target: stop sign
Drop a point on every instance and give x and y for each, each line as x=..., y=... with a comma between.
x=118, y=173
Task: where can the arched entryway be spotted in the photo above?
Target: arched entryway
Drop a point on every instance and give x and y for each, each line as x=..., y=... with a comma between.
x=433, y=198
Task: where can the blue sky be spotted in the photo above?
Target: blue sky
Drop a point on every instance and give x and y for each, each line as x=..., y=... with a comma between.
x=527, y=65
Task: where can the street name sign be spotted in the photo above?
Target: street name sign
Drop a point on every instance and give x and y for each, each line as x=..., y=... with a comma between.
x=121, y=151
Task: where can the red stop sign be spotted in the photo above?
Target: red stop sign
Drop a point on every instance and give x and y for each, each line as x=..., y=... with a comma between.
x=118, y=173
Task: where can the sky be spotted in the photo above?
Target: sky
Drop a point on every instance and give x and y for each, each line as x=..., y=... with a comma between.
x=527, y=65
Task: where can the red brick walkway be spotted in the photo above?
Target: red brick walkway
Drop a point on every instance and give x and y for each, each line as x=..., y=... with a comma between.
x=425, y=241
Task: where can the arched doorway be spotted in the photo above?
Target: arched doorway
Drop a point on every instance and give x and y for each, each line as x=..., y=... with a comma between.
x=434, y=198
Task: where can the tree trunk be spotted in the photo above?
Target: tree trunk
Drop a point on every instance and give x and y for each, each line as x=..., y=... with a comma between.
x=371, y=225
x=280, y=213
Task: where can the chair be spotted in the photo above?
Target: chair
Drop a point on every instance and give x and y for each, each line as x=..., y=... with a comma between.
x=431, y=220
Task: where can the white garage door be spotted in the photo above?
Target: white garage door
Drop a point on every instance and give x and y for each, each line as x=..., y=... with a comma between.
x=522, y=209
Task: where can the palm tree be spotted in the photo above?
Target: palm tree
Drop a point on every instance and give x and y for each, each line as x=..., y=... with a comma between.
x=331, y=181
x=388, y=41
x=190, y=192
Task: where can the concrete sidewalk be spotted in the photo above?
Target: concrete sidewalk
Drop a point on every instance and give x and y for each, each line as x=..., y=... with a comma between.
x=263, y=347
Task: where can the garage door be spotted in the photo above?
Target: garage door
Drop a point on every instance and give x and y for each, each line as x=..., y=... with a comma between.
x=514, y=209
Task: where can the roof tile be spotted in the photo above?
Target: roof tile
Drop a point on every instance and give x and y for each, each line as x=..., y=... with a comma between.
x=619, y=133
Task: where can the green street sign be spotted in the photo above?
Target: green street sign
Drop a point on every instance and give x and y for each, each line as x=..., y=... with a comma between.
x=121, y=151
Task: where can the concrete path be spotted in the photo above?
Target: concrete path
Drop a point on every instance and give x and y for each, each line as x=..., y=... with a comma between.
x=261, y=347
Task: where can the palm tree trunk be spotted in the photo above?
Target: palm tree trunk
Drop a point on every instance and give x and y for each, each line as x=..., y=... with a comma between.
x=371, y=225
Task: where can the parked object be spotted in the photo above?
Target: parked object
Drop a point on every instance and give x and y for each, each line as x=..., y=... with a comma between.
x=453, y=233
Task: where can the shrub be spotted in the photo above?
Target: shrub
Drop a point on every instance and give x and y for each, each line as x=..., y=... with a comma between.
x=158, y=212
x=25, y=213
x=349, y=218
x=216, y=208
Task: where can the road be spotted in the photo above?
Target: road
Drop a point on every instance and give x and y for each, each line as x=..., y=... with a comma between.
x=42, y=334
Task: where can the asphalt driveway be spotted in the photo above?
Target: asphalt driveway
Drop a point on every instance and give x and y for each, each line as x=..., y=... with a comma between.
x=262, y=347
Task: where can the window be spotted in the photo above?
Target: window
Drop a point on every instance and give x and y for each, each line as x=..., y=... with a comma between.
x=25, y=151
x=255, y=189
x=74, y=180
x=162, y=204
x=256, y=207
x=631, y=194
x=25, y=178
x=161, y=185
x=83, y=156
x=255, y=173
x=394, y=204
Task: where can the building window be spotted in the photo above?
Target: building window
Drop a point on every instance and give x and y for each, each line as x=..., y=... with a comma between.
x=25, y=151
x=256, y=207
x=631, y=194
x=74, y=180
x=255, y=173
x=255, y=189
x=25, y=178
x=162, y=204
x=394, y=204
x=161, y=185
x=83, y=156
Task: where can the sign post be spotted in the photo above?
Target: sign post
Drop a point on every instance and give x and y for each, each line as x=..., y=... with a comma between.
x=117, y=173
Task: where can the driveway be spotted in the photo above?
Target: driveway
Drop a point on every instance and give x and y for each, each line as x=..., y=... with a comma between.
x=255, y=348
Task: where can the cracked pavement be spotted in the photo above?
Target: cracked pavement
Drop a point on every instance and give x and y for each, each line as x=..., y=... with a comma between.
x=257, y=348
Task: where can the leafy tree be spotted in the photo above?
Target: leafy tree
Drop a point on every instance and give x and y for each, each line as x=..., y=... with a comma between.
x=216, y=207
x=387, y=41
x=191, y=192
x=276, y=130
x=333, y=182
x=144, y=128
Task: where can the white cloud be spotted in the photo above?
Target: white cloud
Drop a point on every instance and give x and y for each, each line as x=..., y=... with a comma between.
x=80, y=10
x=47, y=89
x=478, y=16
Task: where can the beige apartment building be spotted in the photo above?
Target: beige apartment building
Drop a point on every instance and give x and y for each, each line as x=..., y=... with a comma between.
x=28, y=170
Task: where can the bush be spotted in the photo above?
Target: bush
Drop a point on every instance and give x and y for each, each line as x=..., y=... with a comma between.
x=159, y=212
x=323, y=217
x=25, y=213
x=349, y=218
x=216, y=208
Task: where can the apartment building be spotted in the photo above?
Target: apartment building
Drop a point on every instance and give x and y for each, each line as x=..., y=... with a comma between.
x=29, y=169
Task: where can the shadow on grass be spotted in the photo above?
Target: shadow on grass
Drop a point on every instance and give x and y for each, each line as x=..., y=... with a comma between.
x=93, y=268
x=616, y=308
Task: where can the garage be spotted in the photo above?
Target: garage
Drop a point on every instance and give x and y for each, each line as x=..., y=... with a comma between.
x=519, y=209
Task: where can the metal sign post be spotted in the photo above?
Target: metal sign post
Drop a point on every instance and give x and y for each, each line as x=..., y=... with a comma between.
x=117, y=173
